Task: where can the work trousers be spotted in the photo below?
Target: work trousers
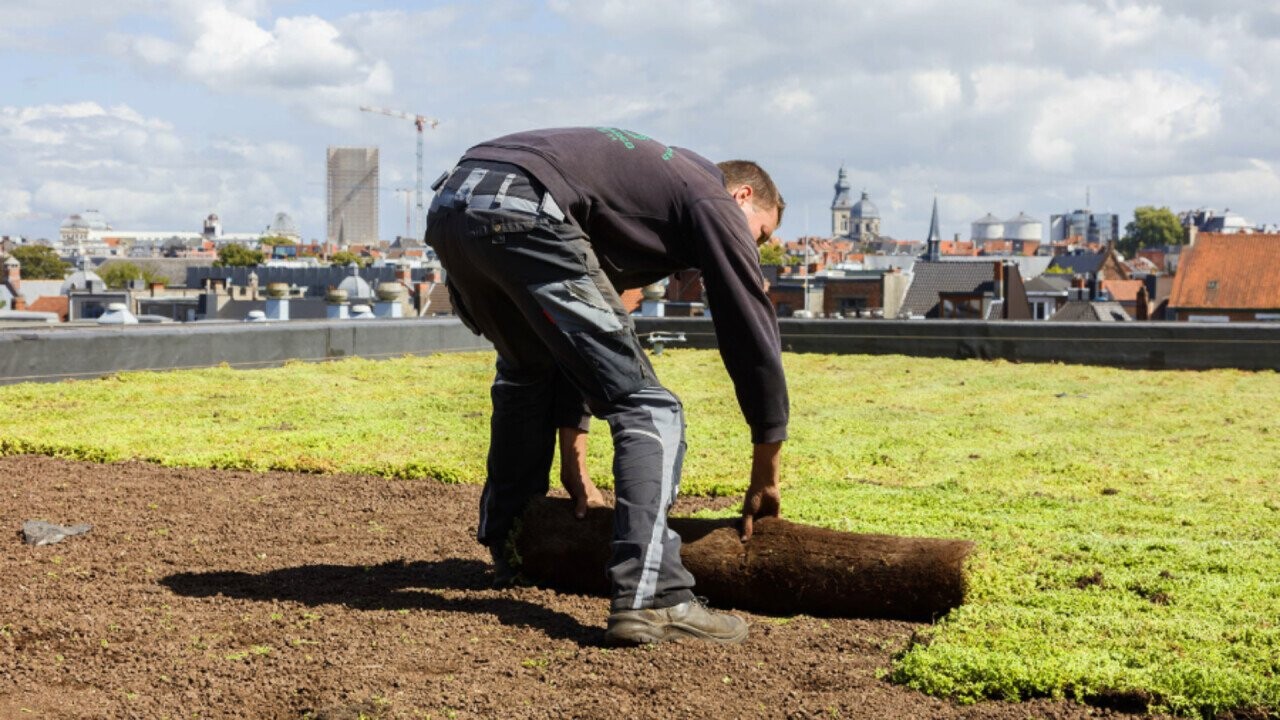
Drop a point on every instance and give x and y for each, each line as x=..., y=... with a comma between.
x=526, y=277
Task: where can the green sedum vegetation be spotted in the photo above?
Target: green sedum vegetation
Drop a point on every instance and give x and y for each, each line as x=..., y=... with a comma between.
x=1126, y=520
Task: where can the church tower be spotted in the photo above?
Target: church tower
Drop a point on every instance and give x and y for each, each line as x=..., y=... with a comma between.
x=841, y=205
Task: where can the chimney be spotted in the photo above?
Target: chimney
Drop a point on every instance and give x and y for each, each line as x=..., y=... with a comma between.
x=404, y=275
x=999, y=281
x=13, y=274
x=1142, y=311
x=156, y=288
x=433, y=275
x=1079, y=288
x=421, y=297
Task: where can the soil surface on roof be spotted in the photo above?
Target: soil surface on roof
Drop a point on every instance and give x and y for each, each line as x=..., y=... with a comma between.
x=224, y=594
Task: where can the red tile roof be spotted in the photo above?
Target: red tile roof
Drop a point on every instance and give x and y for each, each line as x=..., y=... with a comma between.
x=51, y=303
x=631, y=299
x=957, y=247
x=1229, y=272
x=1123, y=291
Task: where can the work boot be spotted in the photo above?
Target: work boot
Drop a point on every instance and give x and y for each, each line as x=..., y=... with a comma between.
x=690, y=619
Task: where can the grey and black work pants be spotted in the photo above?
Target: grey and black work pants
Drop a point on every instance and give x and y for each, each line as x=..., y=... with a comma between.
x=526, y=277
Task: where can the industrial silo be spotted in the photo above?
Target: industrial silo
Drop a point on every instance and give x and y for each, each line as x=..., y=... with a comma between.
x=1023, y=227
x=987, y=227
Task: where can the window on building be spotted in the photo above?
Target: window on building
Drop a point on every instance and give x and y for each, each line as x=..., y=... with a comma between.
x=956, y=306
x=847, y=305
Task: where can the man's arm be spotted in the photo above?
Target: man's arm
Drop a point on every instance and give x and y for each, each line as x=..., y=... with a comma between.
x=763, y=498
x=744, y=321
x=747, y=333
x=573, y=471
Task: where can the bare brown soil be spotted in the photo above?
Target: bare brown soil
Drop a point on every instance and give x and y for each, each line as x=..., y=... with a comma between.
x=242, y=595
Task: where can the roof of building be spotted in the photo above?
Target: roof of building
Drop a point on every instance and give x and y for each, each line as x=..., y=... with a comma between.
x=1090, y=311
x=1055, y=284
x=75, y=221
x=438, y=300
x=957, y=247
x=1229, y=272
x=404, y=242
x=1122, y=290
x=864, y=208
x=1086, y=263
x=842, y=190
x=88, y=220
x=79, y=280
x=51, y=303
x=932, y=278
x=31, y=290
x=283, y=226
x=988, y=219
x=1142, y=264
x=354, y=285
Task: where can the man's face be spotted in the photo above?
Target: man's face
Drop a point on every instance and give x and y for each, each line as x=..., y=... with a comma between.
x=761, y=221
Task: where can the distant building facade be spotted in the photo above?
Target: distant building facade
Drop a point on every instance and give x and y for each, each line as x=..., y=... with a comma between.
x=89, y=233
x=855, y=221
x=1092, y=227
x=353, y=195
x=1209, y=221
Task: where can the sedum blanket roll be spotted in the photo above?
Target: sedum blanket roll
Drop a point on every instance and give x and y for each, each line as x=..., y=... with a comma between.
x=785, y=569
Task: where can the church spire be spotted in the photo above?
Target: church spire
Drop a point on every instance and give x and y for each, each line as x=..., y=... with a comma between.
x=842, y=190
x=935, y=235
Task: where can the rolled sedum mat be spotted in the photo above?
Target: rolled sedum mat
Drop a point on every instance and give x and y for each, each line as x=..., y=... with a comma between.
x=785, y=569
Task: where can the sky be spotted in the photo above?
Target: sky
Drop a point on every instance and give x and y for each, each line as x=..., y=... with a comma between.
x=158, y=113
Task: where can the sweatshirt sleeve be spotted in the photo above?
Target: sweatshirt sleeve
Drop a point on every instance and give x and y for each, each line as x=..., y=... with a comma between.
x=746, y=327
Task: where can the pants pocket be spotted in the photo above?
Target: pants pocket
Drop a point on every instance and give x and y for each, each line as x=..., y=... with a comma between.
x=612, y=356
x=576, y=305
x=606, y=345
x=460, y=309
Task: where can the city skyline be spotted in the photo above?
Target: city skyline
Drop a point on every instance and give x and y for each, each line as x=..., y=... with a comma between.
x=159, y=117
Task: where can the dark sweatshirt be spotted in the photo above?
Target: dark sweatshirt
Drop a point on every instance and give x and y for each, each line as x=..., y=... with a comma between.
x=650, y=210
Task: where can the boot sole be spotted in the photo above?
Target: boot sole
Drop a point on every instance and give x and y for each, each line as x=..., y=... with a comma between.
x=638, y=633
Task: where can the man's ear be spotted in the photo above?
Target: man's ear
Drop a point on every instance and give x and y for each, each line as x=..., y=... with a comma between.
x=743, y=193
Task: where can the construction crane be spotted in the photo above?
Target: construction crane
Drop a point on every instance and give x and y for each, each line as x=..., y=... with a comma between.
x=420, y=122
x=406, y=191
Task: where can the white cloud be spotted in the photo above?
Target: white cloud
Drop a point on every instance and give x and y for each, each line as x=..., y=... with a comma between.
x=1122, y=125
x=937, y=89
x=15, y=204
x=303, y=61
x=1001, y=106
x=139, y=172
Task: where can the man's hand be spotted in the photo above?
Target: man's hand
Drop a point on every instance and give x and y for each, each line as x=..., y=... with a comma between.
x=763, y=498
x=573, y=472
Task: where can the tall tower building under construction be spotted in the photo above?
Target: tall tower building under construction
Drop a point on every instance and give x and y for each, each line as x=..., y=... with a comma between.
x=353, y=195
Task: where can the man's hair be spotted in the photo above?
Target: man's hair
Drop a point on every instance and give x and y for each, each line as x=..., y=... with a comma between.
x=746, y=172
